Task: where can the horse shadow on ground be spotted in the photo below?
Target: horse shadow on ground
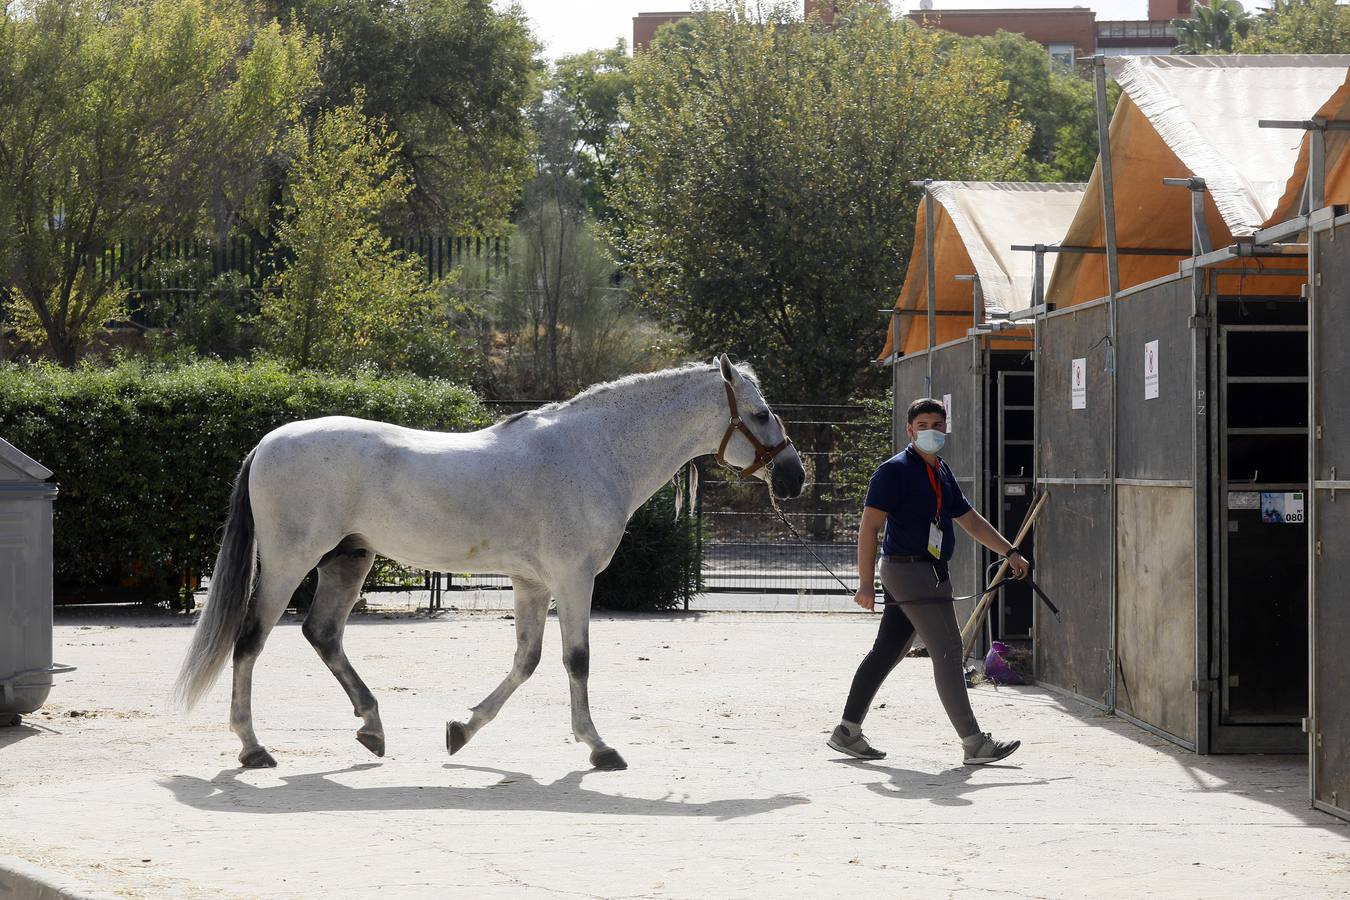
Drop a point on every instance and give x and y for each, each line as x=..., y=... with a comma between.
x=515, y=792
x=946, y=788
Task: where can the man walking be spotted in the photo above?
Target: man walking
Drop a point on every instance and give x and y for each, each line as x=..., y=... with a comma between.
x=915, y=497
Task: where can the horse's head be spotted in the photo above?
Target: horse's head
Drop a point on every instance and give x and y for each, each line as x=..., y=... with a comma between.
x=755, y=441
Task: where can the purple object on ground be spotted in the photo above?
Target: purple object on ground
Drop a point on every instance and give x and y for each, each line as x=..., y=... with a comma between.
x=996, y=668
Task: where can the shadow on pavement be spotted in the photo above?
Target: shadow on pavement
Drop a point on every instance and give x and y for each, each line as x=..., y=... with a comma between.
x=945, y=788
x=517, y=791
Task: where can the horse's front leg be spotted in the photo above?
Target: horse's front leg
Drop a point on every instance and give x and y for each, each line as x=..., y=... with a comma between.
x=531, y=614
x=574, y=617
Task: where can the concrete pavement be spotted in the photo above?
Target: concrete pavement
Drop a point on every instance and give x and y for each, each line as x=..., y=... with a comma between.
x=731, y=791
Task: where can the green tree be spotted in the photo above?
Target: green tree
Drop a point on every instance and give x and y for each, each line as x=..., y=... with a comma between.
x=564, y=318
x=141, y=120
x=346, y=299
x=762, y=192
x=1212, y=27
x=1061, y=107
x=1299, y=26
x=452, y=78
x=594, y=87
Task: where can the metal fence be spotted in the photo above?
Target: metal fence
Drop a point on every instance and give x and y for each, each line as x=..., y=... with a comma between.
x=748, y=549
x=169, y=271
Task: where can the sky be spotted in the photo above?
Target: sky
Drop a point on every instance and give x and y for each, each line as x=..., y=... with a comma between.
x=568, y=26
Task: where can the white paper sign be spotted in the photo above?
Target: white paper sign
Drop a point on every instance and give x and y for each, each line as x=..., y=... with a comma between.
x=1282, y=509
x=1244, y=500
x=1079, y=384
x=1151, y=370
x=947, y=402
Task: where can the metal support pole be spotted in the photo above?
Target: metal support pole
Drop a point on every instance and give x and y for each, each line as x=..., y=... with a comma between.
x=1201, y=479
x=895, y=383
x=1312, y=501
x=1038, y=280
x=1200, y=240
x=1108, y=186
x=1314, y=193
x=976, y=298
x=930, y=272
x=1113, y=288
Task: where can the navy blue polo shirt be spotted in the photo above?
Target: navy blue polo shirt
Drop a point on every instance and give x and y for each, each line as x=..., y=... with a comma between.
x=901, y=489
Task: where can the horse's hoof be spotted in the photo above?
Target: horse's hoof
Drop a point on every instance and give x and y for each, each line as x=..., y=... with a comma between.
x=257, y=758
x=608, y=758
x=456, y=736
x=372, y=741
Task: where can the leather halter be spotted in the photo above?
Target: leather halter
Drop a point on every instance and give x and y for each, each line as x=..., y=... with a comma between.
x=763, y=454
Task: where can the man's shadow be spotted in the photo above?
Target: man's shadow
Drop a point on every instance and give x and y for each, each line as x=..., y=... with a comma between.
x=945, y=788
x=516, y=791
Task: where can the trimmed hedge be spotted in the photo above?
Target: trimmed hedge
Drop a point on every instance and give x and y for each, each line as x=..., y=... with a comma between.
x=145, y=459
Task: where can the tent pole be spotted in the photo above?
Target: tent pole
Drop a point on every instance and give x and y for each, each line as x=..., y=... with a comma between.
x=930, y=273
x=1113, y=288
x=1108, y=187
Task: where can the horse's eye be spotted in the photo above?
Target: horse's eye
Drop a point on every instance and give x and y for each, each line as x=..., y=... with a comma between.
x=762, y=417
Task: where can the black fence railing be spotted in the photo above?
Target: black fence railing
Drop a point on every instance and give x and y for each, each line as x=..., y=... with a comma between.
x=746, y=546
x=168, y=271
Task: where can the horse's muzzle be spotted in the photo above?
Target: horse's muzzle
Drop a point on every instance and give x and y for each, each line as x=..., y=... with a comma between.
x=789, y=477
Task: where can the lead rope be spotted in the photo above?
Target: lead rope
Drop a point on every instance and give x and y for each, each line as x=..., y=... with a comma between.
x=773, y=501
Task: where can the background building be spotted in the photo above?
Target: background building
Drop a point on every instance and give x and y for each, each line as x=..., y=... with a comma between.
x=1065, y=33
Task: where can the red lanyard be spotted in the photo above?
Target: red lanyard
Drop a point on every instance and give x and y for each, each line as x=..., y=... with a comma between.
x=936, y=490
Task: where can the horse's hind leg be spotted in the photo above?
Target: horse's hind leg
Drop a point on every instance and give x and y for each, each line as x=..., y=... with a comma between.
x=574, y=617
x=276, y=582
x=341, y=574
x=531, y=600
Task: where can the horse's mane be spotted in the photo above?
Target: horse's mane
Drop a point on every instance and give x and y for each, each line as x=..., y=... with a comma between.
x=606, y=388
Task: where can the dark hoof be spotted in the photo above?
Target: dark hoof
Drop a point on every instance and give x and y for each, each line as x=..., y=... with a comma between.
x=456, y=736
x=258, y=758
x=16, y=719
x=372, y=741
x=608, y=758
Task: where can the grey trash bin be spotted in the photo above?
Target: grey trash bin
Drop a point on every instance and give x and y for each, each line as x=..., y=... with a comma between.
x=26, y=668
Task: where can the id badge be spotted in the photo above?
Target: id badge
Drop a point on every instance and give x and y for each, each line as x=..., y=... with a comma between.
x=935, y=540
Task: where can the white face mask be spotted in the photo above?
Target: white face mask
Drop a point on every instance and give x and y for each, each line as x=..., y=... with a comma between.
x=930, y=441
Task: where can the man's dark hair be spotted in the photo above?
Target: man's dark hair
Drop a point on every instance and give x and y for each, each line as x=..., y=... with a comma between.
x=925, y=405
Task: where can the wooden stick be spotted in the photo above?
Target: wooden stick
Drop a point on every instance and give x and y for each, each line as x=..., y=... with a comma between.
x=972, y=626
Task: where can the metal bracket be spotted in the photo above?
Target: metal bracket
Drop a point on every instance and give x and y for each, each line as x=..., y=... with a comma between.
x=1203, y=322
x=1200, y=240
x=7, y=684
x=1207, y=686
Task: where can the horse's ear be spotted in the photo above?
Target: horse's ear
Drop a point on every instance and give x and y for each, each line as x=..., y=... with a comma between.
x=728, y=370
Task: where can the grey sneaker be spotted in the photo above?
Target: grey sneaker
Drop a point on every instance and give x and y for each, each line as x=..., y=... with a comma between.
x=988, y=750
x=853, y=743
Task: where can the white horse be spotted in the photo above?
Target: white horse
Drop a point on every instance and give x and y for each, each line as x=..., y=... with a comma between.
x=542, y=497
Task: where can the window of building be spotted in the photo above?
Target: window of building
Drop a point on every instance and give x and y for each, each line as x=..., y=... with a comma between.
x=1061, y=57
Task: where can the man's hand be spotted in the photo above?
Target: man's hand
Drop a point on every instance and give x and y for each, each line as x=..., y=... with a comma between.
x=866, y=597
x=1019, y=565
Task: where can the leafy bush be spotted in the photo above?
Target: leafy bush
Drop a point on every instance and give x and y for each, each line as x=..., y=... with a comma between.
x=659, y=560
x=146, y=457
x=862, y=449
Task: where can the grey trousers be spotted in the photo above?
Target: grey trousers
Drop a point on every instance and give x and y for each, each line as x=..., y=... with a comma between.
x=928, y=607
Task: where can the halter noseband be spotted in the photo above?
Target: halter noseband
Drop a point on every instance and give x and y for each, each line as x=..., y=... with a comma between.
x=763, y=455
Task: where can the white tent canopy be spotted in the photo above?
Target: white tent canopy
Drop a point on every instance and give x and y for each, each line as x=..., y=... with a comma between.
x=976, y=225
x=1194, y=116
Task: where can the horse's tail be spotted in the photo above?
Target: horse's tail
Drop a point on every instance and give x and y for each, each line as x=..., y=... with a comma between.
x=226, y=600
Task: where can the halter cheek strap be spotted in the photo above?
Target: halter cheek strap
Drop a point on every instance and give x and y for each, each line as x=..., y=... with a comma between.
x=763, y=454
